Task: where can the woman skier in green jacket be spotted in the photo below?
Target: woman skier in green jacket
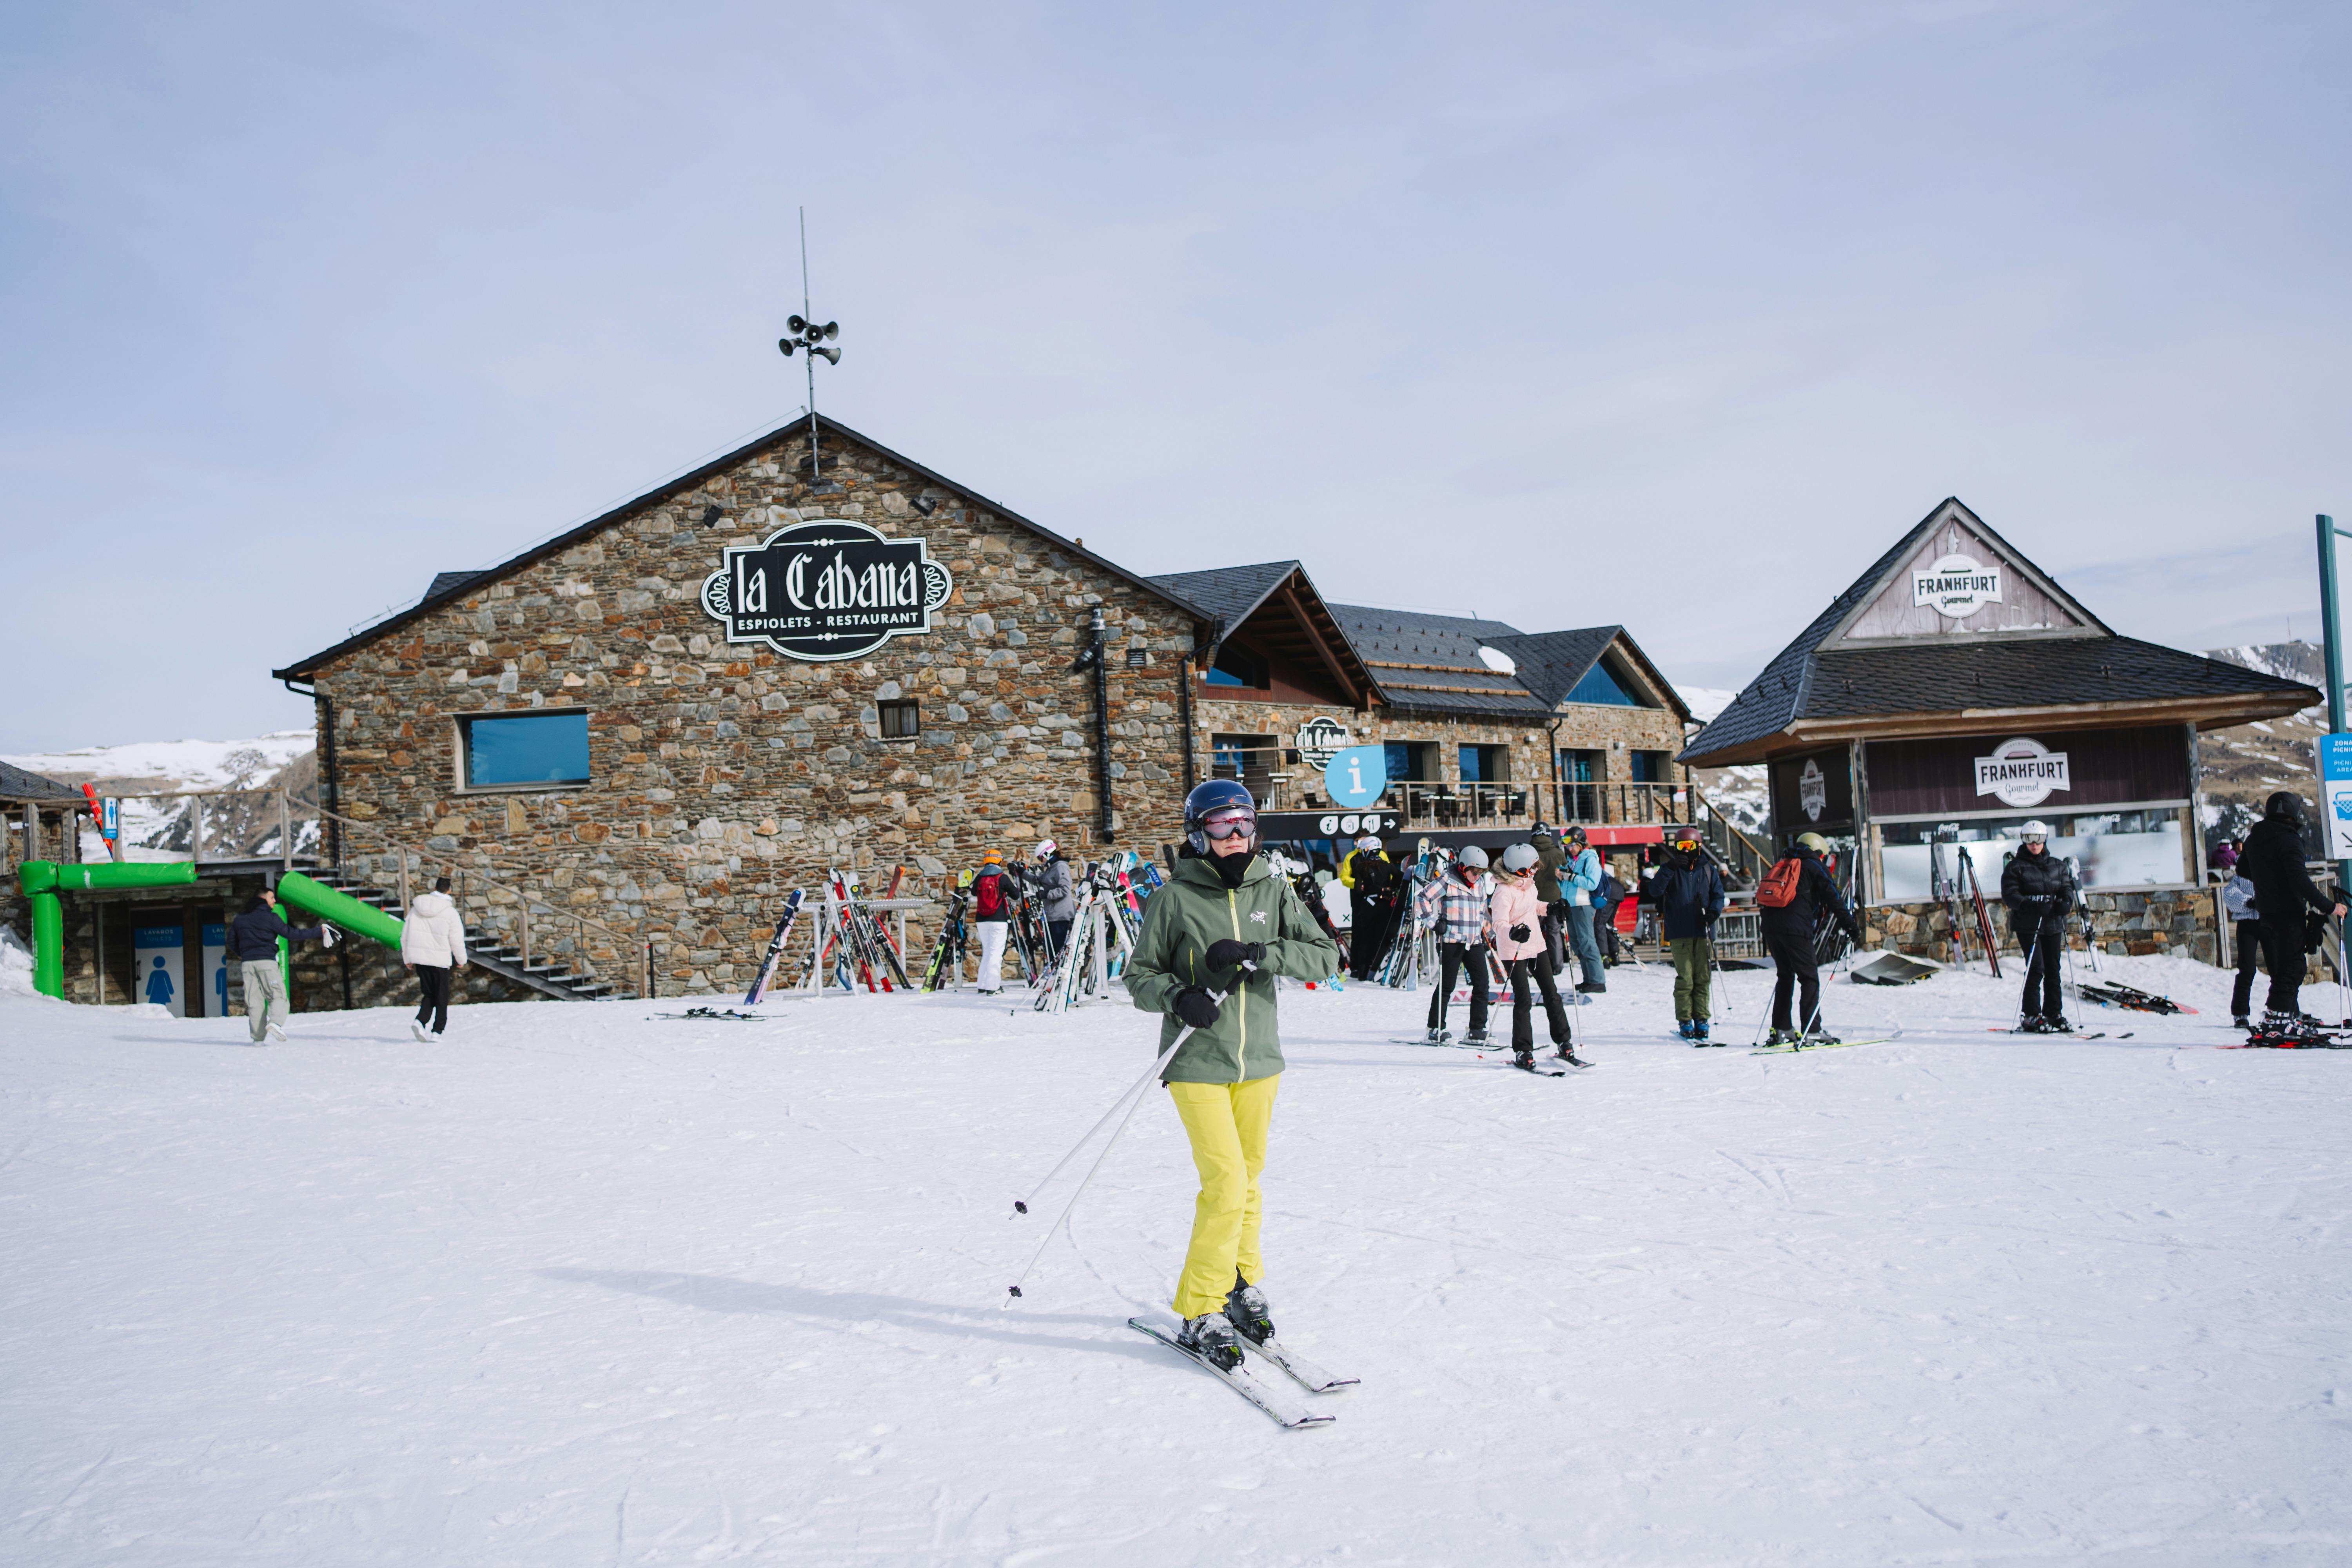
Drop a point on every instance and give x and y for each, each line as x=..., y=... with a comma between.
x=1224, y=923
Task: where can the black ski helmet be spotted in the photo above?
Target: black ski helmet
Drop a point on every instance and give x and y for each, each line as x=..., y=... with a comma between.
x=2284, y=804
x=1214, y=794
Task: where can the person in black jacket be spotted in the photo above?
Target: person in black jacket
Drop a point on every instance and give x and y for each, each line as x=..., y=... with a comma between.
x=1788, y=937
x=253, y=947
x=2273, y=860
x=1688, y=893
x=2038, y=889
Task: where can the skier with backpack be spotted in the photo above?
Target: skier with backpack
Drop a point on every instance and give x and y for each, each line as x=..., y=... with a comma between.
x=1688, y=893
x=2038, y=889
x=1455, y=907
x=1372, y=883
x=1223, y=922
x=992, y=913
x=2273, y=860
x=1797, y=895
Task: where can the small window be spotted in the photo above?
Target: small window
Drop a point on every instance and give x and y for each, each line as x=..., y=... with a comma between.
x=902, y=719
x=1601, y=687
x=511, y=750
x=1485, y=765
x=1648, y=767
x=1238, y=667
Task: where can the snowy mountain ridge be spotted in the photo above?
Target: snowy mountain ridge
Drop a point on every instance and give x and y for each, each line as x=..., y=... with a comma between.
x=160, y=767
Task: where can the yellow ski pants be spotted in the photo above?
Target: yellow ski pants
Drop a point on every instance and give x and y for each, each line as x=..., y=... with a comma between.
x=1226, y=1123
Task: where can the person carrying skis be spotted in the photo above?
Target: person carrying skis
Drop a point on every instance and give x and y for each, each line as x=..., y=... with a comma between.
x=1454, y=907
x=1688, y=893
x=1061, y=898
x=2038, y=889
x=433, y=948
x=1223, y=909
x=1580, y=878
x=2273, y=860
x=992, y=909
x=1372, y=883
x=1797, y=895
x=1516, y=916
x=253, y=947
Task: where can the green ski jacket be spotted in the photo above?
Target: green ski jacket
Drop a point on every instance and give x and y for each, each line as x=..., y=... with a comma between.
x=1180, y=922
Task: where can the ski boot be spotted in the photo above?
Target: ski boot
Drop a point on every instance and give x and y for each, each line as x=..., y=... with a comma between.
x=1474, y=1039
x=1817, y=1036
x=1437, y=1037
x=1785, y=1038
x=2037, y=1024
x=1699, y=1034
x=2243, y=1021
x=2056, y=1024
x=1566, y=1053
x=1246, y=1311
x=1524, y=1058
x=1210, y=1337
x=1684, y=1030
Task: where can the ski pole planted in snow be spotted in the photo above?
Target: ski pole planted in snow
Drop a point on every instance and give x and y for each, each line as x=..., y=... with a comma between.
x=1131, y=1097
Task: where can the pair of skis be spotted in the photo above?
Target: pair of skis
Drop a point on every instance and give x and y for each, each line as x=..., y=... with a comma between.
x=1278, y=1404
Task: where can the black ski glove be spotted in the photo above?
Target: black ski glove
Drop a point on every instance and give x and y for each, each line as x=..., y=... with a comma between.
x=1224, y=952
x=1196, y=1007
x=1519, y=933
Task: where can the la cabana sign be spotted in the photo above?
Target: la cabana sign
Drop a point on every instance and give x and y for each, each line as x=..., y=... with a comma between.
x=825, y=590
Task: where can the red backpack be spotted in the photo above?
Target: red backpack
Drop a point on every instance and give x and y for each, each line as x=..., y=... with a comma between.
x=1778, y=891
x=988, y=894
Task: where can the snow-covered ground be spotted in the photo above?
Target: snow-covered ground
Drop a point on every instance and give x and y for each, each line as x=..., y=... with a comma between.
x=575, y=1287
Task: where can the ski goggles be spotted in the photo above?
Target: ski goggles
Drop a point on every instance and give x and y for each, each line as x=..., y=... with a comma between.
x=1231, y=822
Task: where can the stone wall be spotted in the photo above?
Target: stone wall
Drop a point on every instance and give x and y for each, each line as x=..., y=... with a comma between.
x=723, y=776
x=2178, y=922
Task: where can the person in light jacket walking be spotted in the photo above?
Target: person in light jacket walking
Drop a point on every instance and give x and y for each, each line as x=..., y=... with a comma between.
x=432, y=947
x=1517, y=915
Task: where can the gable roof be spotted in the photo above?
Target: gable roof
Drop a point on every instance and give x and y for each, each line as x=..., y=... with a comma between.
x=22, y=784
x=1280, y=608
x=1809, y=683
x=440, y=595
x=1431, y=663
x=1229, y=593
x=1551, y=664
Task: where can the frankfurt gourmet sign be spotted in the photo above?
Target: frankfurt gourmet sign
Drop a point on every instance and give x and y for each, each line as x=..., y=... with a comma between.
x=826, y=590
x=2022, y=772
x=1957, y=587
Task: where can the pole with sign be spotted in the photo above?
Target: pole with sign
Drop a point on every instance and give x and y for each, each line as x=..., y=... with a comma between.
x=2335, y=747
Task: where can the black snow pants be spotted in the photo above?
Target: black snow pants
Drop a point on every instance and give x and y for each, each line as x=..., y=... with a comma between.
x=1376, y=924
x=2248, y=935
x=1795, y=969
x=2283, y=956
x=433, y=980
x=1454, y=958
x=2045, y=994
x=1523, y=1031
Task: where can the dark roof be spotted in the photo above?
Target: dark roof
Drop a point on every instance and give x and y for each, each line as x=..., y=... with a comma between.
x=18, y=784
x=1803, y=683
x=448, y=581
x=438, y=596
x=1453, y=679
x=1551, y=663
x=1228, y=593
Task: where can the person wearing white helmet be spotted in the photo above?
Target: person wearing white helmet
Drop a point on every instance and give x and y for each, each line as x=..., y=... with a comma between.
x=1454, y=907
x=1516, y=916
x=1374, y=886
x=2038, y=889
x=1061, y=898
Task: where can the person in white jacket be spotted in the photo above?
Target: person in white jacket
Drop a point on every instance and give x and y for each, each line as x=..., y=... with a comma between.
x=433, y=946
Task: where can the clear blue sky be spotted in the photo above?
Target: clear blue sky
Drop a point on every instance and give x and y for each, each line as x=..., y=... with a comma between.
x=1671, y=316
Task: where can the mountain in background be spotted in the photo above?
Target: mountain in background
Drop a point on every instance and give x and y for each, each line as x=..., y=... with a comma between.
x=165, y=830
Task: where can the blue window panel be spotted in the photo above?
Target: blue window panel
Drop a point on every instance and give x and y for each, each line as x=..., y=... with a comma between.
x=533, y=748
x=1471, y=772
x=1649, y=767
x=1220, y=676
x=1399, y=758
x=1601, y=687
x=1579, y=767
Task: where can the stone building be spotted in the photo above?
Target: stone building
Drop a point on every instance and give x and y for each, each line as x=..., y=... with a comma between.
x=632, y=741
x=1955, y=692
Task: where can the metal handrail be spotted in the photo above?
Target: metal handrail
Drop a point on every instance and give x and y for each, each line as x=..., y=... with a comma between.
x=522, y=898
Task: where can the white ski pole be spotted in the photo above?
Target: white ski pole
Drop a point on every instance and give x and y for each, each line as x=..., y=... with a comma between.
x=1131, y=1098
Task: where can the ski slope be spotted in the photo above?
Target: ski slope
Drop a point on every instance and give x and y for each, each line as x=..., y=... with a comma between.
x=575, y=1287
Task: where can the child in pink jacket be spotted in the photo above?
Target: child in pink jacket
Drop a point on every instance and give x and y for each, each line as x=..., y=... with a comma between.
x=1518, y=916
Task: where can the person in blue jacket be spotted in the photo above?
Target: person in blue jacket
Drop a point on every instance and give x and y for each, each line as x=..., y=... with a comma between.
x=1579, y=878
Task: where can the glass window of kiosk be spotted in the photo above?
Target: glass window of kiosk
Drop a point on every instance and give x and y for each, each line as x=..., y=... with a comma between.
x=2131, y=847
x=523, y=751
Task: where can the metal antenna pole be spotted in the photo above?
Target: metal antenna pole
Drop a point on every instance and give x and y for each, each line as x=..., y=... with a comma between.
x=806, y=311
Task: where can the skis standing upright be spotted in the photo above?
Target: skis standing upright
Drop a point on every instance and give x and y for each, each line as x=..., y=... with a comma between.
x=759, y=991
x=947, y=957
x=1984, y=921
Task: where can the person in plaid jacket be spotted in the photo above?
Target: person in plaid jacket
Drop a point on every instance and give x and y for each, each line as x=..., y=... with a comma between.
x=1456, y=906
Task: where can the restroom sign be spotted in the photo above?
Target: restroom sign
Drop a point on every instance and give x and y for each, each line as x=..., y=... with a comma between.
x=826, y=590
x=1956, y=586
